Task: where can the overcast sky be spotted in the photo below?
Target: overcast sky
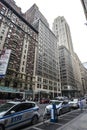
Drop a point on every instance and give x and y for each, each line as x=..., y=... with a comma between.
x=73, y=12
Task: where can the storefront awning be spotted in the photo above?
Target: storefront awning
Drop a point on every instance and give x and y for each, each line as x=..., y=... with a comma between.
x=9, y=89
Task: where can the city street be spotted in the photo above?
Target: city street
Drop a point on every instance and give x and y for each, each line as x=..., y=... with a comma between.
x=43, y=65
x=62, y=120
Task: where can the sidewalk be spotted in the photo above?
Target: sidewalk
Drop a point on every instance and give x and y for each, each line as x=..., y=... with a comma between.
x=79, y=123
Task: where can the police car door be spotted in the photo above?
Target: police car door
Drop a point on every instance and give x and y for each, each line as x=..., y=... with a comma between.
x=65, y=107
x=23, y=114
x=28, y=112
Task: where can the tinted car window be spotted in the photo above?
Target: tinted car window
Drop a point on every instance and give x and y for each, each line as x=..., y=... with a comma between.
x=64, y=103
x=6, y=107
x=24, y=106
x=21, y=107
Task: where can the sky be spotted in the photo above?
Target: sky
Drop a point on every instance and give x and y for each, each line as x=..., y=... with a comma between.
x=73, y=12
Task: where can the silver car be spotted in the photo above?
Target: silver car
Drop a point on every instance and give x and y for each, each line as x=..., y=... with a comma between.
x=15, y=114
x=74, y=103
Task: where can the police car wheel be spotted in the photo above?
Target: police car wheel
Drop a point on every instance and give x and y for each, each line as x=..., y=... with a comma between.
x=1, y=127
x=34, y=120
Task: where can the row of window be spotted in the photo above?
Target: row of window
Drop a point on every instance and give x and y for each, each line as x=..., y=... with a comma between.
x=14, y=19
x=47, y=81
x=48, y=87
x=10, y=34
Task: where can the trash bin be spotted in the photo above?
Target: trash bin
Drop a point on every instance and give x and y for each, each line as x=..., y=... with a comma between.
x=54, y=116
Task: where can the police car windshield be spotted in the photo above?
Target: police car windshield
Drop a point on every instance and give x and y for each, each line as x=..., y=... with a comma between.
x=6, y=107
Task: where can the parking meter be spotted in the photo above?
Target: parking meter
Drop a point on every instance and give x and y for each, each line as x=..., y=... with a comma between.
x=54, y=117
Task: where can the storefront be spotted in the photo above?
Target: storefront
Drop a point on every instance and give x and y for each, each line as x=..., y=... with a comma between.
x=10, y=93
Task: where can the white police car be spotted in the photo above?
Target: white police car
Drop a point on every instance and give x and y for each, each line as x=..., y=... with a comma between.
x=61, y=107
x=14, y=114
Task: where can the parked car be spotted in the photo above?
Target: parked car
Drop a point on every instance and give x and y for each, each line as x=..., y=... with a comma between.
x=44, y=100
x=14, y=114
x=61, y=98
x=74, y=103
x=61, y=107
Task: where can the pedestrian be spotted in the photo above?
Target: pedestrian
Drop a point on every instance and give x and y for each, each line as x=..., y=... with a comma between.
x=30, y=98
x=81, y=105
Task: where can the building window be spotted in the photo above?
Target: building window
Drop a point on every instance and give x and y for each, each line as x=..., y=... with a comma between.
x=39, y=79
x=23, y=62
x=1, y=37
x=25, y=51
x=24, y=56
x=22, y=69
x=50, y=82
x=3, y=8
x=44, y=86
x=50, y=88
x=10, y=30
x=8, y=35
x=55, y=88
x=58, y=89
x=3, y=31
x=2, y=12
x=11, y=25
x=25, y=46
x=37, y=85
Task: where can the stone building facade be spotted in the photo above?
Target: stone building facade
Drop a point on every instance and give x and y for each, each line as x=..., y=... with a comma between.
x=20, y=37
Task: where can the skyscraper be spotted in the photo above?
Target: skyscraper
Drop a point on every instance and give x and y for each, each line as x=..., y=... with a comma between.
x=62, y=32
x=33, y=14
x=68, y=84
x=66, y=55
x=47, y=73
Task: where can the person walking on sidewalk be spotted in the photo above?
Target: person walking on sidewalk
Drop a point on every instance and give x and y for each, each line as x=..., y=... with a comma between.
x=81, y=105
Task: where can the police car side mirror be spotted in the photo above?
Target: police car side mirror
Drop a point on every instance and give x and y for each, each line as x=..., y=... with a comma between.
x=12, y=112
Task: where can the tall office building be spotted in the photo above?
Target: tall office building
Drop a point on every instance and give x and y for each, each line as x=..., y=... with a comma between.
x=47, y=73
x=62, y=32
x=77, y=73
x=69, y=80
x=20, y=37
x=68, y=84
x=84, y=69
x=33, y=14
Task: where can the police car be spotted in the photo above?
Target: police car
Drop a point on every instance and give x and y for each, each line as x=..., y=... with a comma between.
x=14, y=114
x=61, y=107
